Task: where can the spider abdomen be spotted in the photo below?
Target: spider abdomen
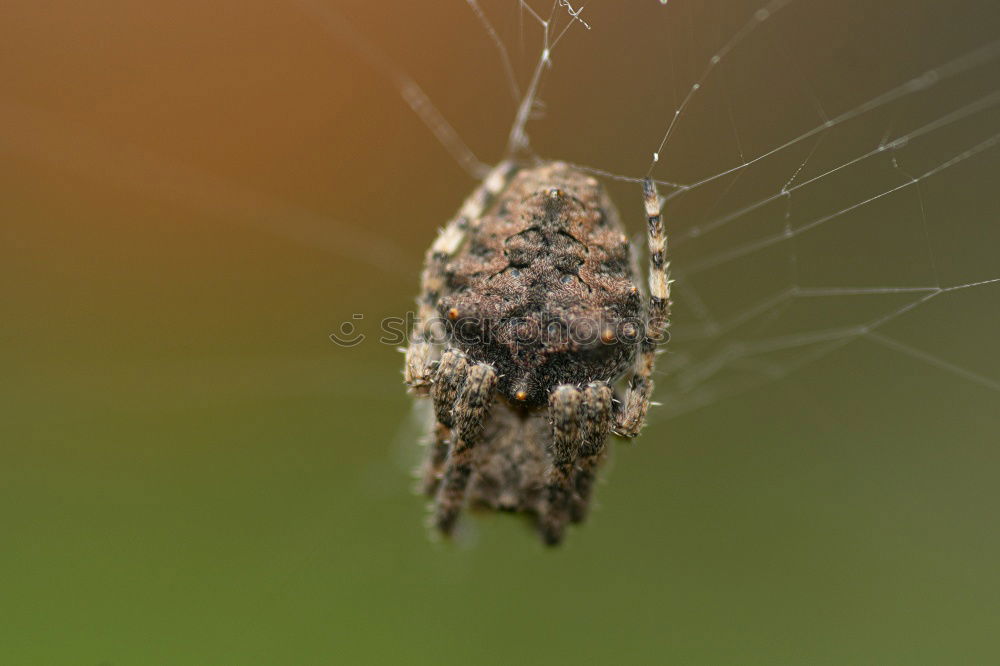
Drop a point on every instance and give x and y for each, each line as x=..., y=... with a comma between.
x=544, y=287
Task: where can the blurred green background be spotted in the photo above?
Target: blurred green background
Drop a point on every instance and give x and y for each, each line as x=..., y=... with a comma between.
x=195, y=195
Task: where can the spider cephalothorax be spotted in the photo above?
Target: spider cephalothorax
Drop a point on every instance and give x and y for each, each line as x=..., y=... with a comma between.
x=530, y=313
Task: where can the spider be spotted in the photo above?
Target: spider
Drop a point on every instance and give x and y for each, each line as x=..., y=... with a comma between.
x=529, y=313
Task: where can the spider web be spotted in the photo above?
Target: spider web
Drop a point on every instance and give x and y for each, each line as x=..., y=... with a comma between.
x=808, y=207
x=816, y=223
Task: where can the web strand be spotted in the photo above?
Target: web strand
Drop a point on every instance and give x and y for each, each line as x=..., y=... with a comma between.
x=758, y=18
x=517, y=140
x=508, y=66
x=695, y=376
x=721, y=350
x=411, y=92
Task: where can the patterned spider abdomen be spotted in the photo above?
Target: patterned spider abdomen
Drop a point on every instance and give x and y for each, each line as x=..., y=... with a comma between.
x=543, y=287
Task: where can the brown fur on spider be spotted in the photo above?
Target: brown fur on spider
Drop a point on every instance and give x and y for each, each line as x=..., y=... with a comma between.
x=529, y=314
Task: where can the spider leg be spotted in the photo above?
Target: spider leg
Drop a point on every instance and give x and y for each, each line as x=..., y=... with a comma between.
x=448, y=378
x=566, y=412
x=448, y=381
x=439, y=439
x=630, y=416
x=597, y=416
x=471, y=408
x=420, y=354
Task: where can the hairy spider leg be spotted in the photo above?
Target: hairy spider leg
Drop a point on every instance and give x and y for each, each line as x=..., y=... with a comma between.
x=597, y=415
x=451, y=372
x=469, y=413
x=439, y=440
x=580, y=420
x=631, y=417
x=566, y=415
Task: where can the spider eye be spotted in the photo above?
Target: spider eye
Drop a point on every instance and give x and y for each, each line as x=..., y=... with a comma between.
x=514, y=272
x=566, y=279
